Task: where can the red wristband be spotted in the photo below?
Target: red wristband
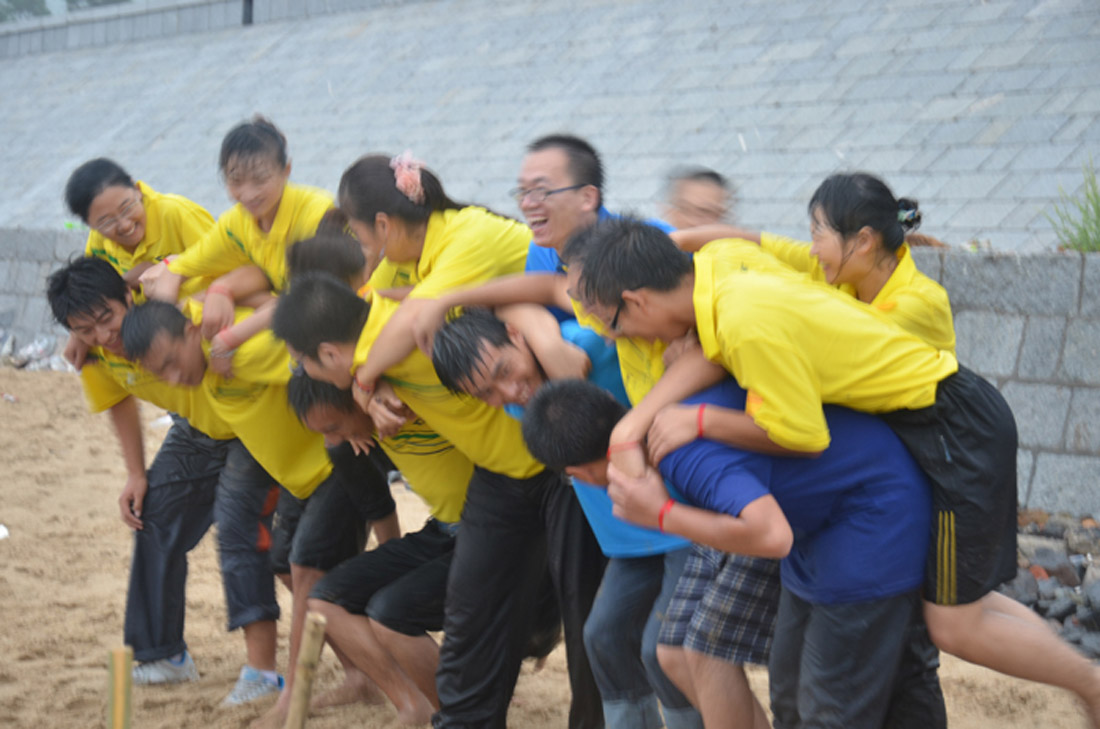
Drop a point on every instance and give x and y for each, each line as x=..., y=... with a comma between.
x=359, y=386
x=699, y=420
x=616, y=447
x=664, y=511
x=221, y=289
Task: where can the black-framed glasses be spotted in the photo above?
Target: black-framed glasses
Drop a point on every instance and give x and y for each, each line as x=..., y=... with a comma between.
x=539, y=194
x=618, y=311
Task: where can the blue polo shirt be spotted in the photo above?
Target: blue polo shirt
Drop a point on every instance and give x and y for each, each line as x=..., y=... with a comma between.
x=860, y=512
x=616, y=537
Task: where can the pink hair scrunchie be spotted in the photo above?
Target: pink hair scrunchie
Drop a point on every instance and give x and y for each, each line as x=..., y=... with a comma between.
x=406, y=173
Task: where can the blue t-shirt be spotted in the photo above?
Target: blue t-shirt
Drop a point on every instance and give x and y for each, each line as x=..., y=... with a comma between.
x=616, y=537
x=547, y=260
x=860, y=512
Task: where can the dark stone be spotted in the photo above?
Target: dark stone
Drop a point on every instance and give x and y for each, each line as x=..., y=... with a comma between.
x=1061, y=608
x=1047, y=588
x=1057, y=564
x=1092, y=594
x=1083, y=540
x=1072, y=630
x=1090, y=645
x=1089, y=618
x=1024, y=588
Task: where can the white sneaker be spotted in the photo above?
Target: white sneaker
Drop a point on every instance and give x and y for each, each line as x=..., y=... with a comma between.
x=166, y=670
x=252, y=684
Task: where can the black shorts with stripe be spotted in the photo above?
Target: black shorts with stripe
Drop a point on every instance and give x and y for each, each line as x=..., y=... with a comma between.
x=966, y=445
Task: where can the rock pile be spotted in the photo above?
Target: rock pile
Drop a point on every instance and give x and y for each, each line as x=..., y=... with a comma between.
x=1057, y=577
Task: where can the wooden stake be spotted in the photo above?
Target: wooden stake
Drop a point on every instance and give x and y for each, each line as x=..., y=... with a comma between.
x=309, y=654
x=120, y=663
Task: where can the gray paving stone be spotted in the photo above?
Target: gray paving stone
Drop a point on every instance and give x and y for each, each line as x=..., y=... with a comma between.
x=1081, y=352
x=1041, y=411
x=1083, y=424
x=1090, y=286
x=961, y=159
x=929, y=261
x=983, y=215
x=1051, y=156
x=1044, y=285
x=1025, y=464
x=1066, y=482
x=1042, y=347
x=988, y=342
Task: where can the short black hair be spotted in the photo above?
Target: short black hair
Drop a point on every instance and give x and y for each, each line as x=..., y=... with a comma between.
x=316, y=308
x=585, y=166
x=305, y=393
x=459, y=345
x=624, y=254
x=334, y=253
x=83, y=287
x=569, y=423
x=90, y=179
x=258, y=137
x=144, y=322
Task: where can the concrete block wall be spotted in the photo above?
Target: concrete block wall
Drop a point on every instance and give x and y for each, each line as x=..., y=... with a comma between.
x=148, y=19
x=26, y=258
x=1030, y=325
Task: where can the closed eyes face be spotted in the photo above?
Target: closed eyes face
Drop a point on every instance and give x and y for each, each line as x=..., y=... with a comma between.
x=257, y=183
x=176, y=360
x=508, y=375
x=118, y=213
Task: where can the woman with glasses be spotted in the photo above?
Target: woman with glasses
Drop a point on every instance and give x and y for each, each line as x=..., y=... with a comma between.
x=132, y=225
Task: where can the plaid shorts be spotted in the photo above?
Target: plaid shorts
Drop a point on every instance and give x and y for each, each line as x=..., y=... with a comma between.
x=724, y=606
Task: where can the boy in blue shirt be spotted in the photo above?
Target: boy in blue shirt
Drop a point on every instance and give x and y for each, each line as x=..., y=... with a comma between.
x=478, y=354
x=855, y=520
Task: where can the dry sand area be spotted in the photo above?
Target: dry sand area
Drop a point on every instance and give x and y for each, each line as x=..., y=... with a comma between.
x=63, y=579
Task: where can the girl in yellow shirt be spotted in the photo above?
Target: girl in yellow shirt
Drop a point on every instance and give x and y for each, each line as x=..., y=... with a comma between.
x=246, y=249
x=860, y=245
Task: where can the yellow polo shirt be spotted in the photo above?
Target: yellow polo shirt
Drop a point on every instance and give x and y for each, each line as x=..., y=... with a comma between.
x=254, y=403
x=172, y=224
x=487, y=436
x=109, y=379
x=794, y=345
x=236, y=240
x=641, y=361
x=915, y=302
x=437, y=471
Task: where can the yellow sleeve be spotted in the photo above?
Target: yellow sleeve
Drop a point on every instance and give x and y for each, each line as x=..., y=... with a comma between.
x=186, y=220
x=217, y=252
x=475, y=246
x=101, y=391
x=794, y=253
x=263, y=358
x=924, y=313
x=783, y=396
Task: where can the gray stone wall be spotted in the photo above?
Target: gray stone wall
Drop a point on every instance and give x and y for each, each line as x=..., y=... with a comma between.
x=143, y=20
x=1030, y=324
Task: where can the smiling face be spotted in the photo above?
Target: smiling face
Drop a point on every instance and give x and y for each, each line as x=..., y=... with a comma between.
x=338, y=426
x=257, y=182
x=101, y=328
x=557, y=216
x=118, y=213
x=508, y=375
x=177, y=360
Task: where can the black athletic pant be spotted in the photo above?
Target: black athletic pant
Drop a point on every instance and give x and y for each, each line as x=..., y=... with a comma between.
x=511, y=529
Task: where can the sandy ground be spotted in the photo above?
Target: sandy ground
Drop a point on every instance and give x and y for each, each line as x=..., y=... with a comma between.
x=63, y=579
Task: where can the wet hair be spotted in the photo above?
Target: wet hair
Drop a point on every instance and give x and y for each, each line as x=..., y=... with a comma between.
x=459, y=346
x=316, y=308
x=336, y=254
x=585, y=167
x=83, y=287
x=369, y=187
x=569, y=423
x=697, y=173
x=90, y=179
x=854, y=200
x=305, y=393
x=624, y=254
x=255, y=138
x=144, y=322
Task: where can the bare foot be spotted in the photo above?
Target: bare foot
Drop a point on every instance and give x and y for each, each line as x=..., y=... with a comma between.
x=275, y=718
x=356, y=689
x=417, y=713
